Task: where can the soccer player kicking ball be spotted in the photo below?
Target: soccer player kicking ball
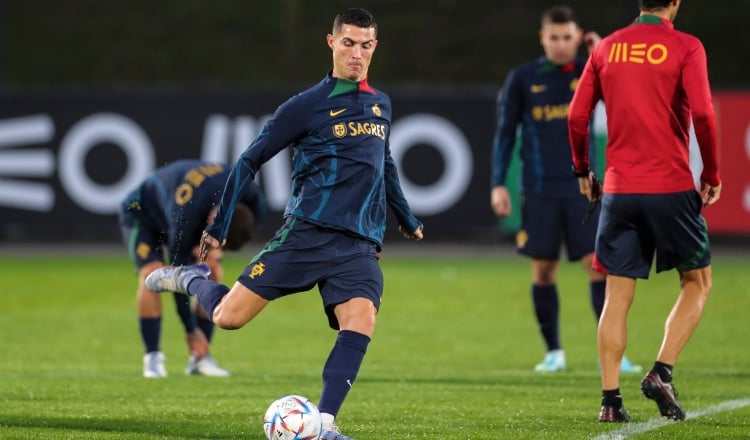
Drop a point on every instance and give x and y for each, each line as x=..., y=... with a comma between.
x=343, y=176
x=653, y=79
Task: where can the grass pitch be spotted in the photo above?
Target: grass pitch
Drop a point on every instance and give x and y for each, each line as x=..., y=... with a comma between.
x=452, y=357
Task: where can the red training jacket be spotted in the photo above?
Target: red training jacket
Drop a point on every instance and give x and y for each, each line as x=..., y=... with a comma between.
x=651, y=78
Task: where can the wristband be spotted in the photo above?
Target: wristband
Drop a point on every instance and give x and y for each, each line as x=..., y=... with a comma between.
x=579, y=173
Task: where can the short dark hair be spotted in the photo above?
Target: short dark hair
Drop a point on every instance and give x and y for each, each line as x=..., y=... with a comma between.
x=358, y=17
x=241, y=228
x=559, y=15
x=650, y=5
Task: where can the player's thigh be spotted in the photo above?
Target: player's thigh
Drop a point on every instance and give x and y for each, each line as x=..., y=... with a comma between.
x=541, y=221
x=579, y=228
x=356, y=276
x=238, y=307
x=624, y=246
x=292, y=261
x=680, y=231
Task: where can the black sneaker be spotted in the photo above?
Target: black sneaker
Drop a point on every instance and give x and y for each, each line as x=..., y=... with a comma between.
x=664, y=394
x=610, y=414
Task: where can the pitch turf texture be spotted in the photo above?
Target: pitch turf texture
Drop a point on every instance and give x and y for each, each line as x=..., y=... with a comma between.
x=452, y=358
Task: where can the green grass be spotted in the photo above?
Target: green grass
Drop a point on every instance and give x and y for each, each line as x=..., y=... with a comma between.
x=451, y=358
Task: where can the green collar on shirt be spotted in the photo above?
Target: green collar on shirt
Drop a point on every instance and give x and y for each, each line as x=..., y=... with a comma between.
x=549, y=66
x=343, y=86
x=648, y=19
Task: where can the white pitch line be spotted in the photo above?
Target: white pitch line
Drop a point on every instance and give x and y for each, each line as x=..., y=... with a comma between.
x=650, y=425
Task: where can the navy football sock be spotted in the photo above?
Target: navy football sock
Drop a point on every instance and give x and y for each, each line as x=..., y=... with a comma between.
x=547, y=309
x=207, y=327
x=151, y=333
x=341, y=369
x=208, y=293
x=187, y=317
x=596, y=290
x=612, y=398
x=663, y=370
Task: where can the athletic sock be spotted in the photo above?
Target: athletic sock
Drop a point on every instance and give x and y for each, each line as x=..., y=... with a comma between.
x=184, y=311
x=663, y=370
x=327, y=419
x=341, y=370
x=596, y=291
x=208, y=293
x=547, y=309
x=612, y=398
x=206, y=326
x=150, y=333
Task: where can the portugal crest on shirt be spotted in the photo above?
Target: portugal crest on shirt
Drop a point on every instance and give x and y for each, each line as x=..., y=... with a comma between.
x=376, y=110
x=339, y=130
x=574, y=84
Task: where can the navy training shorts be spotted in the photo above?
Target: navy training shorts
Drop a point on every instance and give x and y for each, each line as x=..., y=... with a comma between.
x=302, y=255
x=632, y=227
x=548, y=221
x=144, y=243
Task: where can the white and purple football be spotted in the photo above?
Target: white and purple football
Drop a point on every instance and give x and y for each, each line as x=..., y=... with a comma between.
x=292, y=417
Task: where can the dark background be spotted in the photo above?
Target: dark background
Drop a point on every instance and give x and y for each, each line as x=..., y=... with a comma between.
x=169, y=64
x=281, y=43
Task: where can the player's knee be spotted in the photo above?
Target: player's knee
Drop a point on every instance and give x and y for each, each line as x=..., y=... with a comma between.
x=228, y=320
x=544, y=272
x=358, y=316
x=363, y=325
x=698, y=279
x=226, y=323
x=544, y=278
x=367, y=322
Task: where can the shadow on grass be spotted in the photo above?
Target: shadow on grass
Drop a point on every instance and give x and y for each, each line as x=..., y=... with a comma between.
x=44, y=427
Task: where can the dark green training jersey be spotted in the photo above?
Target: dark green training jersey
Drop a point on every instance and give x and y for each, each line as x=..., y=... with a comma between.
x=343, y=173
